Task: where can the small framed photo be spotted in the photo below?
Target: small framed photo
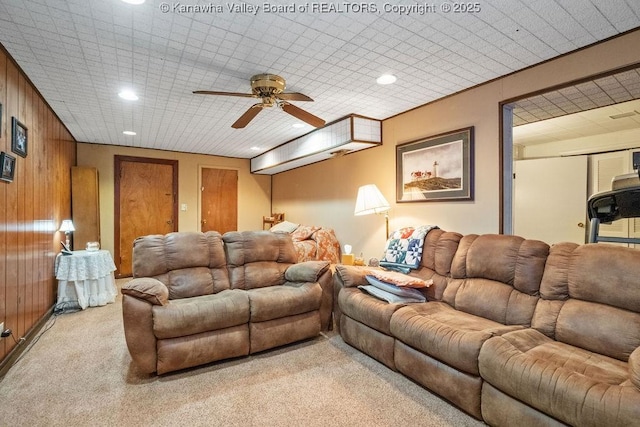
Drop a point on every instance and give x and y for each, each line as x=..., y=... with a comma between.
x=8, y=164
x=19, y=139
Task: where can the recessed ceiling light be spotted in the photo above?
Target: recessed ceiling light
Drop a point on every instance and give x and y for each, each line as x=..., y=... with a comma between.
x=129, y=95
x=129, y=132
x=386, y=79
x=134, y=1
x=297, y=125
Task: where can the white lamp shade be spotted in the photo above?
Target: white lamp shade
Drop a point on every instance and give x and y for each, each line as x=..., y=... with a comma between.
x=67, y=226
x=370, y=200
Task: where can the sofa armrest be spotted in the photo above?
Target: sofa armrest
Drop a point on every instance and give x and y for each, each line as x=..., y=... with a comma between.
x=308, y=271
x=351, y=276
x=145, y=288
x=634, y=367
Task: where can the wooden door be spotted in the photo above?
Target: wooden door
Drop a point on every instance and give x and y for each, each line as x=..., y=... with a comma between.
x=146, y=203
x=219, y=200
x=550, y=199
x=85, y=206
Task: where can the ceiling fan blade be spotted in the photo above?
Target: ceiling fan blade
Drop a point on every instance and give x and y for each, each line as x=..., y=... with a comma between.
x=247, y=116
x=293, y=96
x=303, y=115
x=211, y=92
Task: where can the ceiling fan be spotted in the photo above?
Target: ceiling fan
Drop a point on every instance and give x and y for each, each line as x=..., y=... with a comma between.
x=270, y=88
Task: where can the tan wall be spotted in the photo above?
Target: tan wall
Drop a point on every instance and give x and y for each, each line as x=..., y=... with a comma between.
x=324, y=193
x=254, y=192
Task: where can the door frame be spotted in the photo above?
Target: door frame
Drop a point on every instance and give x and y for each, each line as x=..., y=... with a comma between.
x=117, y=171
x=505, y=142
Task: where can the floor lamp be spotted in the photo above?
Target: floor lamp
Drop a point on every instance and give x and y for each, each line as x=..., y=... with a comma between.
x=370, y=200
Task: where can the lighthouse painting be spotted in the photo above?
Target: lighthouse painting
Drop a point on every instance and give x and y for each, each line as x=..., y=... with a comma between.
x=436, y=168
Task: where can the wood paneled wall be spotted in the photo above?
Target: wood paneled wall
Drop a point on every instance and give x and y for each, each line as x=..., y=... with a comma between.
x=32, y=206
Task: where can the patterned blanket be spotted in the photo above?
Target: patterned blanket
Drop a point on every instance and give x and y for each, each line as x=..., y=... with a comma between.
x=403, y=251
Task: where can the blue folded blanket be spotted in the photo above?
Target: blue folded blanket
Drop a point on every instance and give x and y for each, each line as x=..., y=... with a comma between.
x=390, y=292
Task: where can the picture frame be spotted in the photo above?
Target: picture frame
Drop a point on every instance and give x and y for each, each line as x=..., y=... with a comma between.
x=19, y=138
x=436, y=168
x=7, y=167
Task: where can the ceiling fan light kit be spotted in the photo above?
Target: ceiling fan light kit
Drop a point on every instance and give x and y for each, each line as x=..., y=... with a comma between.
x=270, y=89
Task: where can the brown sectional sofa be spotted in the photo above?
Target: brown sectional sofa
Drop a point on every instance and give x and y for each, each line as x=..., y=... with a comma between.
x=515, y=332
x=201, y=297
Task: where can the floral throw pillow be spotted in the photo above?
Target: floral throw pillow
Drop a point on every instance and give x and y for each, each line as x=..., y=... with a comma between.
x=303, y=232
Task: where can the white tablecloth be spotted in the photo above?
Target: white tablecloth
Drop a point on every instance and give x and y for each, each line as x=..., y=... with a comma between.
x=85, y=279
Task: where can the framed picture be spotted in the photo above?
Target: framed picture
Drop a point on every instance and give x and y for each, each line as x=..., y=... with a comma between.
x=8, y=164
x=437, y=168
x=19, y=139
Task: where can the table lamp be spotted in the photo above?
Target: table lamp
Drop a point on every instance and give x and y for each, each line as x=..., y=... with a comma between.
x=370, y=200
x=67, y=227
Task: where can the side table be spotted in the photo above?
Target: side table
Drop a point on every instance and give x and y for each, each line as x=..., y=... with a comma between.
x=85, y=279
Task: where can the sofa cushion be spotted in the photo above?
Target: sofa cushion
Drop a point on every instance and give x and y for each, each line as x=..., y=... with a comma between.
x=634, y=367
x=257, y=259
x=274, y=302
x=366, y=309
x=201, y=314
x=574, y=385
x=497, y=277
x=188, y=263
x=451, y=336
x=591, y=299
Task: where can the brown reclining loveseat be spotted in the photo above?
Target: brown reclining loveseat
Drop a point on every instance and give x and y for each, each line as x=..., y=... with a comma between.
x=201, y=297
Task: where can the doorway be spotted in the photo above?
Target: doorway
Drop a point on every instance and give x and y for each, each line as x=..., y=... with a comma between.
x=146, y=202
x=579, y=119
x=218, y=200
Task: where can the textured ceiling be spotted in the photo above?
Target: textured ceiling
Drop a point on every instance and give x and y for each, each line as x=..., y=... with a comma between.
x=602, y=106
x=81, y=53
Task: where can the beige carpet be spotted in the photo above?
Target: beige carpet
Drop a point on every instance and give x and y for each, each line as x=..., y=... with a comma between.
x=80, y=373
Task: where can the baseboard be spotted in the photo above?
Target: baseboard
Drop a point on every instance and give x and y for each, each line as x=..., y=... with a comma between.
x=17, y=351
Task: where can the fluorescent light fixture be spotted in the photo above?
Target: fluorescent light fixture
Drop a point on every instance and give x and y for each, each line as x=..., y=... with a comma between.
x=129, y=95
x=386, y=79
x=344, y=136
x=129, y=132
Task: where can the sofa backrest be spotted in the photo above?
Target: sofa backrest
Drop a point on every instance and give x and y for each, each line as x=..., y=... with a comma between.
x=257, y=259
x=189, y=264
x=497, y=277
x=590, y=298
x=437, y=255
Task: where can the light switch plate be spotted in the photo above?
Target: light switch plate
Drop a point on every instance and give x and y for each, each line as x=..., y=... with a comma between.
x=183, y=207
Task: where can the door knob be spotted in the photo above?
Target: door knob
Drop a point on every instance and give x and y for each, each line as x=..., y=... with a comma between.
x=204, y=221
x=170, y=222
x=581, y=224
